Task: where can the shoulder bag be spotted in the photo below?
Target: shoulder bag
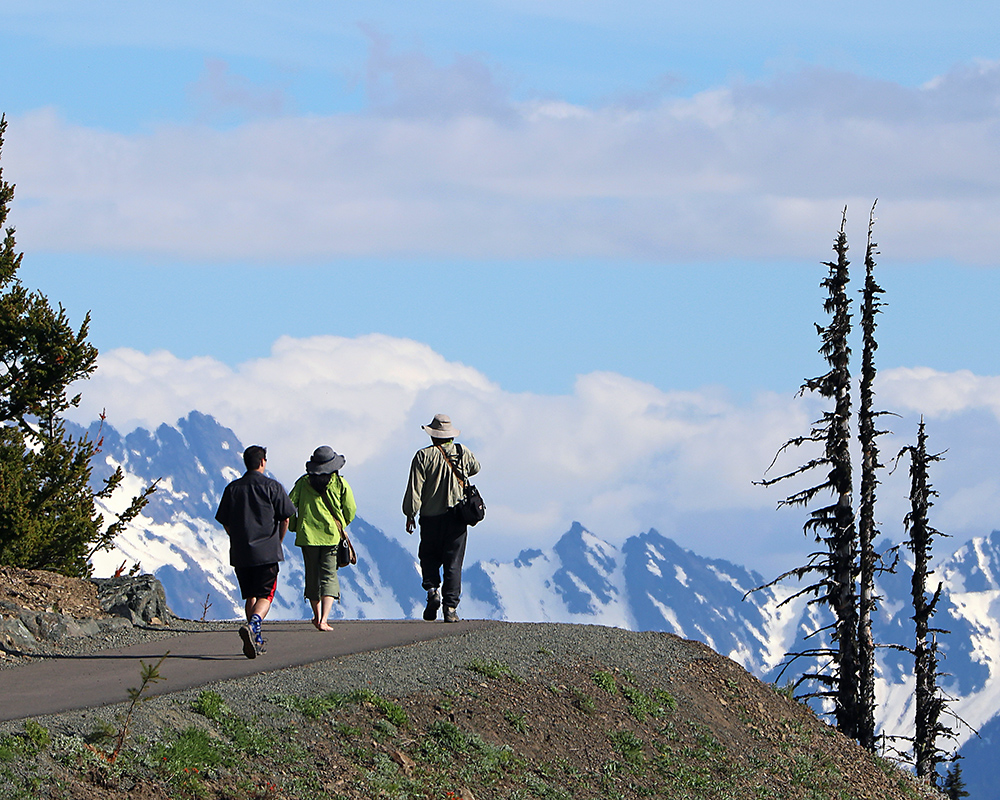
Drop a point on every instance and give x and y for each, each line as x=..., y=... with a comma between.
x=471, y=509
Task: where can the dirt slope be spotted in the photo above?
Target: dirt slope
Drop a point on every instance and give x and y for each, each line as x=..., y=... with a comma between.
x=546, y=724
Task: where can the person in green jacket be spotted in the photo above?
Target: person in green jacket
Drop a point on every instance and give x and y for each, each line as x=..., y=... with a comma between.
x=324, y=506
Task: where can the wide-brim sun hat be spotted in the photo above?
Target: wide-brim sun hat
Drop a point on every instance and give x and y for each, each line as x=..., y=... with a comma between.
x=441, y=427
x=324, y=461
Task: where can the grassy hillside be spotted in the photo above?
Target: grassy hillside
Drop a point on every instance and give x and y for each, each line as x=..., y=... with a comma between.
x=509, y=711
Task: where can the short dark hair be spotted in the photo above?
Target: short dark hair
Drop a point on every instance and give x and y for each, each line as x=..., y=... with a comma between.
x=254, y=456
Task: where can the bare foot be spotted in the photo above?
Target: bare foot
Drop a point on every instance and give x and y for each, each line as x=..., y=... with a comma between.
x=316, y=624
x=324, y=627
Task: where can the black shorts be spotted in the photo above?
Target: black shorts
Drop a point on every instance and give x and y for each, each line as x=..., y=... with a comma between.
x=258, y=581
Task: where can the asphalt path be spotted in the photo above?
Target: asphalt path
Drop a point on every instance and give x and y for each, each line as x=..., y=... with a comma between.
x=67, y=683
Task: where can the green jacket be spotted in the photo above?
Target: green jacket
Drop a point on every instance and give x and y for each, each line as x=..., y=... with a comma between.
x=313, y=522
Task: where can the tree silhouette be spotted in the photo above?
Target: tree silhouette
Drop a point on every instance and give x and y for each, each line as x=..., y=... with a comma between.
x=929, y=702
x=867, y=530
x=833, y=525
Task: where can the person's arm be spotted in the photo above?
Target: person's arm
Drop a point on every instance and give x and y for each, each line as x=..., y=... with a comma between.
x=414, y=488
x=284, y=508
x=471, y=465
x=348, y=507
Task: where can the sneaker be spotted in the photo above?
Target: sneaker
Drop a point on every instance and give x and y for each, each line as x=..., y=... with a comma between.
x=450, y=614
x=249, y=645
x=433, y=604
x=261, y=645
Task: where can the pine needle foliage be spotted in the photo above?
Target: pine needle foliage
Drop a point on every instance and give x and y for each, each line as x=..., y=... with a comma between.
x=954, y=784
x=48, y=517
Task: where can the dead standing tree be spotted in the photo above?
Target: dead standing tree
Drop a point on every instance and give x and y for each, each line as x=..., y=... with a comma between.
x=835, y=567
x=929, y=703
x=867, y=528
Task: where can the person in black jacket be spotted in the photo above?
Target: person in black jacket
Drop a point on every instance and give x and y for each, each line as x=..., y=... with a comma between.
x=254, y=510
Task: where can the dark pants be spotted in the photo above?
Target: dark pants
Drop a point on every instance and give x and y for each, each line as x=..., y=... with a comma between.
x=442, y=547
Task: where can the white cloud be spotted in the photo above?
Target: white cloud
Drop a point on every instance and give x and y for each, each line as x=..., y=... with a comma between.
x=939, y=394
x=445, y=164
x=617, y=454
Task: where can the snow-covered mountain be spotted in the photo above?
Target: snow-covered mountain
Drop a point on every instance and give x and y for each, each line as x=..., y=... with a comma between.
x=648, y=583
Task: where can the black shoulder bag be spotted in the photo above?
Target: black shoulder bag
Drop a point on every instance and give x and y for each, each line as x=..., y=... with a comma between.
x=470, y=509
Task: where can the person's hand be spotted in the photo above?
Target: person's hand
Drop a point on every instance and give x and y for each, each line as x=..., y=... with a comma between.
x=411, y=524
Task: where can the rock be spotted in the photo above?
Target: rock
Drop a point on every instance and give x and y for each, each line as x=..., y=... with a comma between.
x=138, y=598
x=51, y=627
x=15, y=638
x=45, y=625
x=112, y=624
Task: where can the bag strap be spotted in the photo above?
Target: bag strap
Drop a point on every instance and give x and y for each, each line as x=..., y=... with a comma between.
x=461, y=478
x=333, y=513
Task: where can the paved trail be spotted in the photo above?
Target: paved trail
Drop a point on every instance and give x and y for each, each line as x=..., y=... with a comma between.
x=195, y=659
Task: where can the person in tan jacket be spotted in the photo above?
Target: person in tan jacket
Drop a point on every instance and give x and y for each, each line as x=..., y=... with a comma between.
x=432, y=492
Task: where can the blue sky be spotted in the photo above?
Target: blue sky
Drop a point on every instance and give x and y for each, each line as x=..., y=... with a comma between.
x=536, y=196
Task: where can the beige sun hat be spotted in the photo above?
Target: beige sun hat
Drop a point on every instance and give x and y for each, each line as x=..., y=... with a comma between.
x=441, y=427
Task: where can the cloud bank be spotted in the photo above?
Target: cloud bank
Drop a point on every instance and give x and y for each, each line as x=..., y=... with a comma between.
x=617, y=454
x=444, y=163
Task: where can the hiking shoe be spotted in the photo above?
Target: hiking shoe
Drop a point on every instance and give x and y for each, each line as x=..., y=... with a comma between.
x=450, y=614
x=433, y=604
x=249, y=645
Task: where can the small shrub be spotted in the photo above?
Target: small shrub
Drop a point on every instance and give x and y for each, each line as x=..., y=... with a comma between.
x=640, y=705
x=313, y=707
x=665, y=700
x=628, y=746
x=448, y=735
x=210, y=705
x=517, y=721
x=606, y=681
x=582, y=701
x=392, y=712
x=491, y=668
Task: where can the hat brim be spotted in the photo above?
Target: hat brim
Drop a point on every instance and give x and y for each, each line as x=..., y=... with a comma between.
x=440, y=433
x=325, y=467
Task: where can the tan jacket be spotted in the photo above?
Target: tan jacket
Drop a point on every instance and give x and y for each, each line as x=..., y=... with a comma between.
x=433, y=486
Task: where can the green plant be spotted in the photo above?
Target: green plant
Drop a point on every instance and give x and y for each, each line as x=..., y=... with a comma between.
x=582, y=701
x=606, y=681
x=313, y=707
x=148, y=675
x=517, y=721
x=639, y=703
x=393, y=712
x=448, y=735
x=209, y=704
x=628, y=746
x=491, y=668
x=665, y=700
x=187, y=756
x=27, y=744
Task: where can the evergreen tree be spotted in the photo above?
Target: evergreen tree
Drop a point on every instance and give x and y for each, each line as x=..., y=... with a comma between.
x=929, y=702
x=867, y=434
x=48, y=518
x=833, y=525
x=954, y=786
